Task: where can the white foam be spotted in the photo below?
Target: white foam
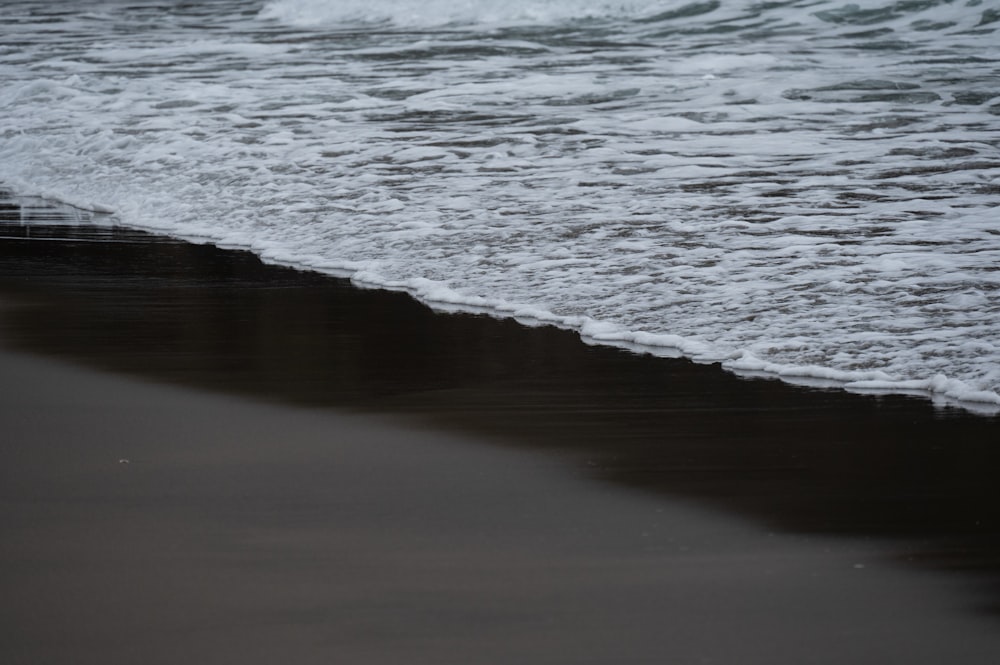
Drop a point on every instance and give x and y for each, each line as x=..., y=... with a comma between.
x=429, y=13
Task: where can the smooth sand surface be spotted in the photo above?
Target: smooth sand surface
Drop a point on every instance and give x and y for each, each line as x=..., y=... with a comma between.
x=243, y=532
x=319, y=474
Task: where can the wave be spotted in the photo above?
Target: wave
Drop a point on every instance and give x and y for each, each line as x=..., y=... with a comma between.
x=431, y=13
x=710, y=16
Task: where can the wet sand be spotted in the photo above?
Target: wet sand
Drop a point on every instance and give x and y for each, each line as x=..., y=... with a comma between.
x=317, y=473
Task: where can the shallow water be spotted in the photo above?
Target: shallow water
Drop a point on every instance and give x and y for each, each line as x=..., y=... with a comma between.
x=805, y=188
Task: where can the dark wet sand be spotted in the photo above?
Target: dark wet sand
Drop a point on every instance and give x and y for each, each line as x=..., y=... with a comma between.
x=322, y=474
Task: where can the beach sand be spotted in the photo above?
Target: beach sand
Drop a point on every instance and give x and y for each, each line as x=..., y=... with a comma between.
x=210, y=460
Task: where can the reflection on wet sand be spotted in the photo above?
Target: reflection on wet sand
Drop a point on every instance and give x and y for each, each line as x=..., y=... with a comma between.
x=794, y=459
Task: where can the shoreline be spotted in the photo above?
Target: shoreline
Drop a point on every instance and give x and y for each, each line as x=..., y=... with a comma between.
x=502, y=490
x=940, y=390
x=222, y=320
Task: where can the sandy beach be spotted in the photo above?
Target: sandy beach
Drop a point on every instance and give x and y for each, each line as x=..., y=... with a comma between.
x=210, y=460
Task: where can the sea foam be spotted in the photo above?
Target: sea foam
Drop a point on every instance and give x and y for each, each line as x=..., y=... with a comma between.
x=440, y=13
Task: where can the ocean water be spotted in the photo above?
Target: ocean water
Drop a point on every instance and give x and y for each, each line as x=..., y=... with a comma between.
x=806, y=190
